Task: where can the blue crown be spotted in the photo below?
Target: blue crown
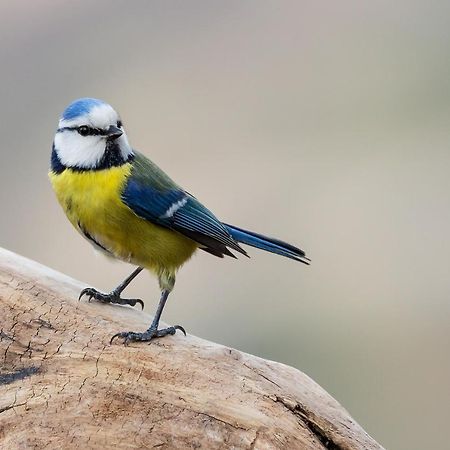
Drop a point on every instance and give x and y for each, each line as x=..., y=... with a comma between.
x=81, y=107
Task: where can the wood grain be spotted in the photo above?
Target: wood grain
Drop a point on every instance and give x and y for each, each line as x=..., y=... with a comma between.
x=62, y=385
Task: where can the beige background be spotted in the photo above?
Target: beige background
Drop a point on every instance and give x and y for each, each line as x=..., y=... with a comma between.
x=322, y=123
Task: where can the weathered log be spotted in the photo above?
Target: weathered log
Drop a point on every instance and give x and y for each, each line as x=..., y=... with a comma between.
x=62, y=385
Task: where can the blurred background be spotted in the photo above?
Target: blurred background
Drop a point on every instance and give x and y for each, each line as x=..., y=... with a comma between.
x=326, y=124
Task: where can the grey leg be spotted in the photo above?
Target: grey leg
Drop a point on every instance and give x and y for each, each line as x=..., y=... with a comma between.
x=152, y=331
x=114, y=295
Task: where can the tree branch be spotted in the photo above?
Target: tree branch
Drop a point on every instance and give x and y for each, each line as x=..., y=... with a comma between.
x=62, y=384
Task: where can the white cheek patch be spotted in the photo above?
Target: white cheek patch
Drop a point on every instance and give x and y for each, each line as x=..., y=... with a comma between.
x=124, y=146
x=75, y=150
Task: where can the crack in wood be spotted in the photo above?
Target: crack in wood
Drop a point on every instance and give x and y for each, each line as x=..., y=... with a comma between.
x=7, y=408
x=322, y=435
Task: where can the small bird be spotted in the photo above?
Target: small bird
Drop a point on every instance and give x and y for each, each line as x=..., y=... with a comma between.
x=129, y=209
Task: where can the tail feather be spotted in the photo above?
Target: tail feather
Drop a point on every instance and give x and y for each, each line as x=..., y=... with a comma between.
x=267, y=243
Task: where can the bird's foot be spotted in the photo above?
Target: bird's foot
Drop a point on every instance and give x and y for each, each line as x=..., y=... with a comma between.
x=112, y=297
x=151, y=333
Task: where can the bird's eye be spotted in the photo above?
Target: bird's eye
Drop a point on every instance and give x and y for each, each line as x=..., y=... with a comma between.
x=119, y=124
x=83, y=130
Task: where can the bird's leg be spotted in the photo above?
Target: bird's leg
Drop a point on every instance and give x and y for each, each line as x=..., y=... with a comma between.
x=152, y=332
x=114, y=295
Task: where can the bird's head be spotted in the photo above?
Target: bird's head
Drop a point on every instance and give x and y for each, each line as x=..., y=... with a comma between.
x=90, y=136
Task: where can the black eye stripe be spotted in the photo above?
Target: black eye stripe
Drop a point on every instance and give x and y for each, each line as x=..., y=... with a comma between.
x=90, y=131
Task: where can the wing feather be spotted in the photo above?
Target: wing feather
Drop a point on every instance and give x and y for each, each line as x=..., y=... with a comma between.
x=177, y=210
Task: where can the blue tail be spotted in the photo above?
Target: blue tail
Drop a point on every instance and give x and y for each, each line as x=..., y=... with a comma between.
x=266, y=243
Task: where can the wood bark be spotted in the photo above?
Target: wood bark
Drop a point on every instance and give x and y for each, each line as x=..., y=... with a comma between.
x=62, y=385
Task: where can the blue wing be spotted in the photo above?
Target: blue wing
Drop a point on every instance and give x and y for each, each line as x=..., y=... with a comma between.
x=177, y=210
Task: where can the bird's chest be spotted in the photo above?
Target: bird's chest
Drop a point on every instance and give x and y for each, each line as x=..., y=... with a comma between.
x=92, y=202
x=92, y=199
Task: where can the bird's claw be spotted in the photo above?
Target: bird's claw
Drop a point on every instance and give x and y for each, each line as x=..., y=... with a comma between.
x=179, y=327
x=113, y=297
x=133, y=301
x=151, y=333
x=85, y=291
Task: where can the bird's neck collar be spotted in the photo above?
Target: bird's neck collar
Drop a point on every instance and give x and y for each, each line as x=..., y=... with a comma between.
x=112, y=157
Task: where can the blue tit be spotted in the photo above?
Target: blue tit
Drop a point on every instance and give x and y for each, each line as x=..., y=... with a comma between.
x=129, y=209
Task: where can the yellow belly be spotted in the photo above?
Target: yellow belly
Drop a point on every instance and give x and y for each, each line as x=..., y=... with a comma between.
x=91, y=201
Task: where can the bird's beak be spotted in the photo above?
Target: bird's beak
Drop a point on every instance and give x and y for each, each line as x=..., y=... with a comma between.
x=113, y=132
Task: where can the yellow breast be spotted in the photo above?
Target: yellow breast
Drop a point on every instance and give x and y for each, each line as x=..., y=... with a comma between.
x=92, y=202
